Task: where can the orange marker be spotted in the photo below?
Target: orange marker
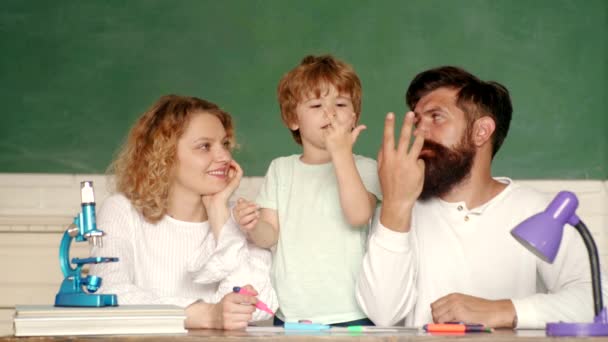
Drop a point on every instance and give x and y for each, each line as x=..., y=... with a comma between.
x=455, y=328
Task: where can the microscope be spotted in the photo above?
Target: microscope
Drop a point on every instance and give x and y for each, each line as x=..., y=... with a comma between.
x=84, y=228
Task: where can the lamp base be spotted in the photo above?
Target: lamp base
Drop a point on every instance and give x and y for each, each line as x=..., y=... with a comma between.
x=599, y=327
x=577, y=329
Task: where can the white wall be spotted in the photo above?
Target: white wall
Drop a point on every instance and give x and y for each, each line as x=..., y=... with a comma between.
x=36, y=208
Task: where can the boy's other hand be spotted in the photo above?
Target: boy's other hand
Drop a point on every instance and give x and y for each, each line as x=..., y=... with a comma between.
x=246, y=214
x=340, y=136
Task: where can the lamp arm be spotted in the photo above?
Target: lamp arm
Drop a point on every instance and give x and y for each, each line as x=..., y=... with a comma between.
x=595, y=266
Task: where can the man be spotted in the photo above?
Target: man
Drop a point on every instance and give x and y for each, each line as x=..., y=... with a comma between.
x=441, y=250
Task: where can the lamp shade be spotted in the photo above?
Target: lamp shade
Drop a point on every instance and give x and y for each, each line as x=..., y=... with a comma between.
x=542, y=233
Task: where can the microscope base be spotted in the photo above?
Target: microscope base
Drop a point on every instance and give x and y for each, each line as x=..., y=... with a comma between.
x=83, y=299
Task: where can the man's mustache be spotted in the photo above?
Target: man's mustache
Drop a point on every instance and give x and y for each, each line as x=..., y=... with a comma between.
x=432, y=146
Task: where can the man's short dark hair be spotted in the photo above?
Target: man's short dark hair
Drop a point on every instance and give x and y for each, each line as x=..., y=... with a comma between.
x=475, y=97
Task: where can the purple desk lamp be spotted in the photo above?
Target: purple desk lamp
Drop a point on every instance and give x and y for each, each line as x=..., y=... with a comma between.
x=542, y=235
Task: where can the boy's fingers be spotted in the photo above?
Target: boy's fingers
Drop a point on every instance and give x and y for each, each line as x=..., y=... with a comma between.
x=248, y=219
x=247, y=209
x=332, y=118
x=357, y=130
x=251, y=224
x=246, y=206
x=333, y=122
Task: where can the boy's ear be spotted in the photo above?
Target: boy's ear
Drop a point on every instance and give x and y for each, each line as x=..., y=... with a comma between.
x=294, y=125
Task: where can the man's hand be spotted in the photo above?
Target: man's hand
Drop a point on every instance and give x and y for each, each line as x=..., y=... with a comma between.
x=340, y=137
x=246, y=214
x=457, y=307
x=401, y=173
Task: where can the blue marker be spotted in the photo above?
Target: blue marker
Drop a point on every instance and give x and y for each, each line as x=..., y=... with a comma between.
x=306, y=326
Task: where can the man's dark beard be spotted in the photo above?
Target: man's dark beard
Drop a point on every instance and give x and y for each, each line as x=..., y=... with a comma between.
x=446, y=167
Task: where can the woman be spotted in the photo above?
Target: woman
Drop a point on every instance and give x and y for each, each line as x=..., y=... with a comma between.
x=169, y=222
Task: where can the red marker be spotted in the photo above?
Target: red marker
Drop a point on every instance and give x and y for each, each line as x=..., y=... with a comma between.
x=260, y=305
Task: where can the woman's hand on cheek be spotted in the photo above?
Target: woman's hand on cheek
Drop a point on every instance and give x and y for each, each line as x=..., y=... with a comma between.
x=216, y=204
x=235, y=174
x=220, y=199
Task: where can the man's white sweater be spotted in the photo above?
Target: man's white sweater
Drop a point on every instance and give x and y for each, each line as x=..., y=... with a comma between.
x=453, y=249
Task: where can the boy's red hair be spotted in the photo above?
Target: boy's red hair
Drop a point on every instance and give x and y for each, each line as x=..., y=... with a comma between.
x=310, y=77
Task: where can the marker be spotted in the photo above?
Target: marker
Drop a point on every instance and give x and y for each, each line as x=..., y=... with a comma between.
x=306, y=326
x=260, y=305
x=450, y=327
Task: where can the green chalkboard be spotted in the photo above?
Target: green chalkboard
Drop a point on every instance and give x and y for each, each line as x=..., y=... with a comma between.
x=76, y=74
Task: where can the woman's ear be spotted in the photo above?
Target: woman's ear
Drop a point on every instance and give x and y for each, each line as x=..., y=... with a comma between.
x=483, y=129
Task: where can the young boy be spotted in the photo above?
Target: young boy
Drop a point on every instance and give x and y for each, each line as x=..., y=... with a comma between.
x=316, y=207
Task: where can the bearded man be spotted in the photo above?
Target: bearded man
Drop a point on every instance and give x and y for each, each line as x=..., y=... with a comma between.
x=440, y=249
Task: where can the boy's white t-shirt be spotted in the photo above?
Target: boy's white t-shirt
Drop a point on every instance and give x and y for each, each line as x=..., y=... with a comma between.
x=318, y=255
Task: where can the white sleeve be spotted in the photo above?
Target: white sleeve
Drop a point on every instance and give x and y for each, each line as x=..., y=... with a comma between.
x=116, y=219
x=214, y=260
x=386, y=287
x=254, y=271
x=568, y=281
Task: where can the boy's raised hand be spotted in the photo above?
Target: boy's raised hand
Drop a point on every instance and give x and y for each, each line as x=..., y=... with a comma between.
x=246, y=214
x=340, y=136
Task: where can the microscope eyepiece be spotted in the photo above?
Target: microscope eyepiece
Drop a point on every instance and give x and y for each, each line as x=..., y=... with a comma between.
x=87, y=195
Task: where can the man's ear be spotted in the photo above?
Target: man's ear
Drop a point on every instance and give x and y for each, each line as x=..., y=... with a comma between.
x=483, y=128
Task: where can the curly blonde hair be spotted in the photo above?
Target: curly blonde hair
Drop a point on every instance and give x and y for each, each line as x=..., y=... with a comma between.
x=144, y=167
x=309, y=77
